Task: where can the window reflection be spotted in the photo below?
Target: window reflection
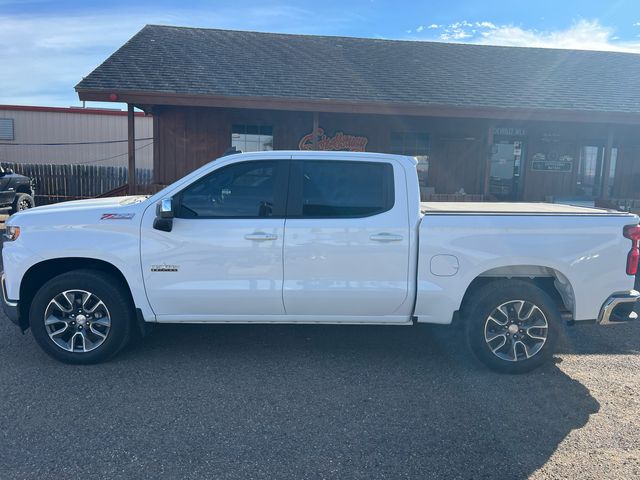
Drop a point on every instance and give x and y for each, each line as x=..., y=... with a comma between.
x=252, y=138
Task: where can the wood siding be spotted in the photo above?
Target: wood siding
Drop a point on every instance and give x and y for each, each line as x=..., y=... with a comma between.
x=188, y=137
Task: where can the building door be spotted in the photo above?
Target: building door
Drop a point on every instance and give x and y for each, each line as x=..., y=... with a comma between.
x=223, y=259
x=347, y=238
x=505, y=166
x=591, y=181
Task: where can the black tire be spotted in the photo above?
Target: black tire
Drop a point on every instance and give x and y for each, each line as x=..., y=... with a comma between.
x=23, y=201
x=521, y=353
x=119, y=309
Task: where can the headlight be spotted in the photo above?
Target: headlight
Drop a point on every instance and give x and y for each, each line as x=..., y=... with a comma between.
x=12, y=233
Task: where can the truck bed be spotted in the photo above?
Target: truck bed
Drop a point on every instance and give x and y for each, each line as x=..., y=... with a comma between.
x=499, y=208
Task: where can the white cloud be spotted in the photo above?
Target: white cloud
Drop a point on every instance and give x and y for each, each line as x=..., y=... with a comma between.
x=420, y=28
x=488, y=25
x=43, y=57
x=434, y=26
x=581, y=35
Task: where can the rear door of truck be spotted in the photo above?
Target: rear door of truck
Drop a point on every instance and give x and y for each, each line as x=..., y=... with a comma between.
x=346, y=248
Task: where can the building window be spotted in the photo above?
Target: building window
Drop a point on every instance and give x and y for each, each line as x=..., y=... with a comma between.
x=410, y=143
x=590, y=171
x=415, y=145
x=252, y=138
x=6, y=129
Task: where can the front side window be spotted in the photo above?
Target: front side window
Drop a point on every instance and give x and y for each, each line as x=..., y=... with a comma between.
x=252, y=138
x=241, y=190
x=335, y=189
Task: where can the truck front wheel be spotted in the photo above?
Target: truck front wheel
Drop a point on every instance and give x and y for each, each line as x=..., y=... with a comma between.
x=23, y=201
x=81, y=317
x=512, y=325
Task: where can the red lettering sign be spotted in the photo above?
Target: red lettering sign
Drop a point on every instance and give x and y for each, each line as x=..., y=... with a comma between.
x=340, y=141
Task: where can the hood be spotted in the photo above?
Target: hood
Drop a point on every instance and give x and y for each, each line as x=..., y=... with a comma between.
x=88, y=210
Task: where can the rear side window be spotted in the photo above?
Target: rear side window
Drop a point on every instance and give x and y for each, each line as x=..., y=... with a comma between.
x=337, y=189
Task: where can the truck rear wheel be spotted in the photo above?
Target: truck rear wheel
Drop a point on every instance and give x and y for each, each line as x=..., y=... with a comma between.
x=512, y=325
x=81, y=317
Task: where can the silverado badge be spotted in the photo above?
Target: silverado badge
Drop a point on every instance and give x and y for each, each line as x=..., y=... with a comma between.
x=164, y=268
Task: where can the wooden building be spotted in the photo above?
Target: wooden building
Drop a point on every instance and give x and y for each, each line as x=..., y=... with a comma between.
x=486, y=122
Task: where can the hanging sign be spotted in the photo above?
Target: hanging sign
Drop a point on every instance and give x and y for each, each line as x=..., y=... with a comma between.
x=339, y=141
x=551, y=163
x=509, y=131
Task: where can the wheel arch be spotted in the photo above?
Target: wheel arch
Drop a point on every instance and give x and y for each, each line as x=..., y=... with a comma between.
x=40, y=273
x=549, y=279
x=23, y=189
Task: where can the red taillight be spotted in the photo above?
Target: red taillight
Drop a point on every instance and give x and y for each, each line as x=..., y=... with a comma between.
x=632, y=232
x=632, y=260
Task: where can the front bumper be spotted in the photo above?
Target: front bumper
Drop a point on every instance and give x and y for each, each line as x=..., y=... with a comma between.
x=10, y=307
x=619, y=308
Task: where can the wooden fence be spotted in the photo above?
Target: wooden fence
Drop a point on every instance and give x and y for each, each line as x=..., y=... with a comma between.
x=58, y=183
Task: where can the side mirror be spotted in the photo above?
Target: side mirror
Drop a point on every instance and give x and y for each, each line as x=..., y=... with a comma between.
x=164, y=215
x=164, y=208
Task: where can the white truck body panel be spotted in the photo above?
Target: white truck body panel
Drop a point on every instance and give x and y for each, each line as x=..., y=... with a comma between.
x=588, y=251
x=328, y=270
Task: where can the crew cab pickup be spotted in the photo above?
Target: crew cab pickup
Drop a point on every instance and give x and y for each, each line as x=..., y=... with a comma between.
x=315, y=237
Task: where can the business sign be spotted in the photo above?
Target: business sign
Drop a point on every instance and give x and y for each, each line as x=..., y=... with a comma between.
x=509, y=131
x=340, y=142
x=552, y=162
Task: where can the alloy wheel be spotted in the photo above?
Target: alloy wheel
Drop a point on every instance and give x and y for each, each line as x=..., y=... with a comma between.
x=77, y=321
x=516, y=330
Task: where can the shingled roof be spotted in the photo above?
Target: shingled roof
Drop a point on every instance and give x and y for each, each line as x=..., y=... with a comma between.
x=223, y=63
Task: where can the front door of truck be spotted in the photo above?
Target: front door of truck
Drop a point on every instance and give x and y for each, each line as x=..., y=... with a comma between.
x=223, y=258
x=346, y=249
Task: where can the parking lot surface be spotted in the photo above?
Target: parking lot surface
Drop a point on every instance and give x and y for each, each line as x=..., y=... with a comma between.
x=347, y=402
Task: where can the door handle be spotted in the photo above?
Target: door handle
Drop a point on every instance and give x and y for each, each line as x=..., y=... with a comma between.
x=261, y=236
x=386, y=237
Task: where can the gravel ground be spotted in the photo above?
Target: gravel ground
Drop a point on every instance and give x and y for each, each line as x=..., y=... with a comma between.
x=343, y=402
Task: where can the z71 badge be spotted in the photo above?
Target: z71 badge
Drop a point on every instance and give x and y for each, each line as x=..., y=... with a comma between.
x=117, y=216
x=164, y=268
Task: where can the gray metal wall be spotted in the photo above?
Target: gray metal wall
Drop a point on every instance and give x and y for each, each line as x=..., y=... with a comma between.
x=37, y=126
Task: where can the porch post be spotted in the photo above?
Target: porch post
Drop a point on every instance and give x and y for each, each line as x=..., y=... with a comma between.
x=131, y=137
x=606, y=166
x=316, y=125
x=487, y=161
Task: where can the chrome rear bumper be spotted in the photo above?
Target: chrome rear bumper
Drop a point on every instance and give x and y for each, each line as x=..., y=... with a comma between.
x=609, y=312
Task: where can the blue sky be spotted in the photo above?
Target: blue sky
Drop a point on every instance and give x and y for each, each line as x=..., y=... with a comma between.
x=47, y=46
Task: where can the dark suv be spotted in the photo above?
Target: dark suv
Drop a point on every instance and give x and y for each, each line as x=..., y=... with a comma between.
x=16, y=191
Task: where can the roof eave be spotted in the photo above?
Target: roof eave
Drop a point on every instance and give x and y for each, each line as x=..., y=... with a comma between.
x=151, y=98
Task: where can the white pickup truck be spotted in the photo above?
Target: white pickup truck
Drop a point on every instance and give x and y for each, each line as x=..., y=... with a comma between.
x=315, y=237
